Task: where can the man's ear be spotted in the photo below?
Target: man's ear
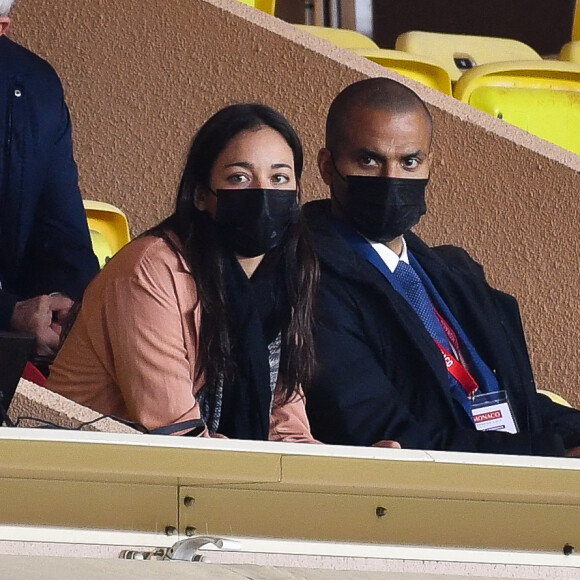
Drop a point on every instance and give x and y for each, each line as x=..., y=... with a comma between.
x=325, y=165
x=4, y=24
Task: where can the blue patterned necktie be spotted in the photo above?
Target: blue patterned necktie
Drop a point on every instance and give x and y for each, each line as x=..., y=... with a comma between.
x=418, y=298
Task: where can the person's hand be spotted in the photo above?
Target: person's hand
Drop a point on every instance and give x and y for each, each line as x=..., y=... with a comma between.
x=573, y=452
x=42, y=316
x=387, y=443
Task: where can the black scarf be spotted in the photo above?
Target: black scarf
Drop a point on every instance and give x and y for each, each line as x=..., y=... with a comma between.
x=258, y=311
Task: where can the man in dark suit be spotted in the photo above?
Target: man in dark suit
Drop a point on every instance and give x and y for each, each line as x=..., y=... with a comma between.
x=46, y=258
x=413, y=344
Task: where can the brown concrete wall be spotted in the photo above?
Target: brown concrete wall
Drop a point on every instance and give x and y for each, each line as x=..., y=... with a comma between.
x=141, y=76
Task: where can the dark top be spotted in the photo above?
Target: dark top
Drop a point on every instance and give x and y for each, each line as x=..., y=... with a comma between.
x=44, y=239
x=381, y=376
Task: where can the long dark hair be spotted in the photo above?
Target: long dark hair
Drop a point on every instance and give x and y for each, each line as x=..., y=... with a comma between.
x=205, y=253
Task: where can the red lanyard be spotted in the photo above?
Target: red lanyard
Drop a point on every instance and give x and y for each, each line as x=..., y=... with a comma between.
x=458, y=371
x=448, y=330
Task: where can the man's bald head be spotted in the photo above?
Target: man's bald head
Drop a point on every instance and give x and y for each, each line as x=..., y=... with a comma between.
x=377, y=93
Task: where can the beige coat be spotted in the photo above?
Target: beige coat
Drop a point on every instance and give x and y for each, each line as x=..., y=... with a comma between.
x=132, y=352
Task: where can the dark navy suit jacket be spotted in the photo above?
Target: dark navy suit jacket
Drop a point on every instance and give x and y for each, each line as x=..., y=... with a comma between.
x=44, y=240
x=380, y=374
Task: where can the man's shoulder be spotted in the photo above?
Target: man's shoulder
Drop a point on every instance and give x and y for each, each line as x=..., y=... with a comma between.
x=452, y=257
x=317, y=216
x=316, y=211
x=333, y=251
x=344, y=272
x=458, y=257
x=453, y=264
x=18, y=60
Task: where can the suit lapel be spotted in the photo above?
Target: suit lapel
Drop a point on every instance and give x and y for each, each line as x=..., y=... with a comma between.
x=350, y=265
x=470, y=299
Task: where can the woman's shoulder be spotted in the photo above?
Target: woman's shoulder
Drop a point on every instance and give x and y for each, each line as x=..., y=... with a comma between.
x=148, y=253
x=146, y=276
x=146, y=261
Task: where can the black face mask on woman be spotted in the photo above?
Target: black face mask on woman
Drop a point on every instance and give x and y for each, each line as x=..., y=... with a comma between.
x=383, y=208
x=254, y=221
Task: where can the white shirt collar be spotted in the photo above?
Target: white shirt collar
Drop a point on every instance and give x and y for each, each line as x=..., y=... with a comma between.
x=387, y=255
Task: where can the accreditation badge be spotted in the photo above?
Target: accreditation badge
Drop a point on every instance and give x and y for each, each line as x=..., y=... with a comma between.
x=492, y=412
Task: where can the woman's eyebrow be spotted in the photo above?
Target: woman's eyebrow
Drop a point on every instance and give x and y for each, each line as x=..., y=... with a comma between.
x=244, y=164
x=248, y=165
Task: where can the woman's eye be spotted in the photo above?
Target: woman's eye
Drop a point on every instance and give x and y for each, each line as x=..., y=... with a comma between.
x=280, y=178
x=238, y=178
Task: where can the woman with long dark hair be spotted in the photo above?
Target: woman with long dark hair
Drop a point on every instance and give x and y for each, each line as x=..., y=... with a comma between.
x=208, y=315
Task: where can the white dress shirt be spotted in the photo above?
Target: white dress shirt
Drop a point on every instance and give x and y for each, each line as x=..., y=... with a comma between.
x=390, y=258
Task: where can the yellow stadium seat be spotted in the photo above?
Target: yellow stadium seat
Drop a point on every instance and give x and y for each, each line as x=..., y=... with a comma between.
x=268, y=6
x=417, y=68
x=101, y=247
x=542, y=97
x=556, y=398
x=458, y=53
x=420, y=69
x=108, y=227
x=571, y=51
x=340, y=36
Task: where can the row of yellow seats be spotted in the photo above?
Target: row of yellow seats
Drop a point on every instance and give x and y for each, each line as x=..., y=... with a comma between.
x=269, y=6
x=514, y=50
x=510, y=49
x=509, y=80
x=539, y=96
x=423, y=70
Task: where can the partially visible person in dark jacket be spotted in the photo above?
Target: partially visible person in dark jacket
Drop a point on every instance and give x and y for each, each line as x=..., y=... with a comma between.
x=46, y=258
x=412, y=343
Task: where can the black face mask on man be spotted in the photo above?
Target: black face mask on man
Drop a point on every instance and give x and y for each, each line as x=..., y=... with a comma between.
x=254, y=221
x=383, y=208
